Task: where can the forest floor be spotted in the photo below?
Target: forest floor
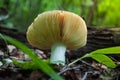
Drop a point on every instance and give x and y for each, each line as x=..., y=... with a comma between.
x=82, y=70
x=86, y=69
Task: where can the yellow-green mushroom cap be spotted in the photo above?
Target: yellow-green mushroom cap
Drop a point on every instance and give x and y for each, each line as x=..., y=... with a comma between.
x=57, y=26
x=57, y=30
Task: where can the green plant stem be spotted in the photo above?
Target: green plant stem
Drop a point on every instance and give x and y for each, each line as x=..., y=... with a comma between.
x=77, y=60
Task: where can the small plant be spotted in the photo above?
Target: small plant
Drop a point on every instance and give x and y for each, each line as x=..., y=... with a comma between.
x=100, y=56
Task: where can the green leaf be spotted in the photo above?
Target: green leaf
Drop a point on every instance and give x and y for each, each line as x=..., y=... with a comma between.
x=111, y=50
x=103, y=59
x=100, y=56
x=26, y=65
x=42, y=65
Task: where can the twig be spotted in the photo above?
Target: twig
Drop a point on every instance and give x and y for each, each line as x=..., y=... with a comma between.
x=64, y=70
x=86, y=73
x=67, y=66
x=88, y=64
x=84, y=77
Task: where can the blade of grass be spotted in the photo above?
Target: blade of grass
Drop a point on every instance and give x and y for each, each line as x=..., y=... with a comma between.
x=26, y=65
x=103, y=59
x=43, y=66
x=111, y=50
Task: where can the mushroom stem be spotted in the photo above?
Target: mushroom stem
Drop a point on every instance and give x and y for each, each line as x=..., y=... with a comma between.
x=58, y=54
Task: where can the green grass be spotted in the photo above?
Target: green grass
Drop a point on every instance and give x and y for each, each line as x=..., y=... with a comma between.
x=100, y=56
x=39, y=62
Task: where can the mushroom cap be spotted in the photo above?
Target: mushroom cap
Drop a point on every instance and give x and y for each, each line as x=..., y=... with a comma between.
x=57, y=26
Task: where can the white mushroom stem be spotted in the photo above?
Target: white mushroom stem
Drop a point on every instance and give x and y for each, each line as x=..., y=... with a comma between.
x=58, y=54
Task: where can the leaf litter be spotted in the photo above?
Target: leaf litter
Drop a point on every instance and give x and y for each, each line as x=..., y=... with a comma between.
x=82, y=70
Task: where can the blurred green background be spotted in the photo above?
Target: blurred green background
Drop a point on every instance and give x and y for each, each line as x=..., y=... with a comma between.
x=99, y=13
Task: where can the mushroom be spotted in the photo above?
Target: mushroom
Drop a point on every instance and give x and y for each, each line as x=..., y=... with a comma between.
x=59, y=31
